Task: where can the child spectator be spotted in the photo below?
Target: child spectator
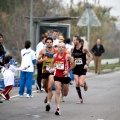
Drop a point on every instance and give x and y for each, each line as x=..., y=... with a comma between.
x=8, y=72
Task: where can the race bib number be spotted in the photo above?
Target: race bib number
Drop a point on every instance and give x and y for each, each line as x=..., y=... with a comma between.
x=78, y=61
x=60, y=66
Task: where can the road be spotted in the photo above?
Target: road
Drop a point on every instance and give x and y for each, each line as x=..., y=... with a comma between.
x=101, y=102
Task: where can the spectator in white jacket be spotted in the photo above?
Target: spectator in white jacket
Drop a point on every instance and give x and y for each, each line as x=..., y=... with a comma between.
x=26, y=76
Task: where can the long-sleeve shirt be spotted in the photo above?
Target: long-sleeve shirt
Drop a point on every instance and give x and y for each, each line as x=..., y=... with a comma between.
x=39, y=47
x=28, y=58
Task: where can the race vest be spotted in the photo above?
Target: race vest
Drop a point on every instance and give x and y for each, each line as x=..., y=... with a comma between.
x=46, y=64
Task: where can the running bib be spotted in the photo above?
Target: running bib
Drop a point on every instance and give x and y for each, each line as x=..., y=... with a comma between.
x=60, y=66
x=78, y=61
x=47, y=66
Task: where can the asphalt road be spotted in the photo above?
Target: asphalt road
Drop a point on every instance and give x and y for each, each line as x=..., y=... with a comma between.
x=101, y=102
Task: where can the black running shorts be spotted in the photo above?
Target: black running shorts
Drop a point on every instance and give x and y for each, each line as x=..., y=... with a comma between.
x=79, y=71
x=63, y=80
x=46, y=75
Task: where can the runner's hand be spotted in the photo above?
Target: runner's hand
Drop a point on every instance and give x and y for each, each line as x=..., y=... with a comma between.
x=85, y=66
x=45, y=58
x=51, y=70
x=65, y=72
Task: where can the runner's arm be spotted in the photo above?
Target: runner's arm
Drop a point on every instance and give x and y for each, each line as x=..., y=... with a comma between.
x=40, y=56
x=71, y=59
x=89, y=55
x=52, y=63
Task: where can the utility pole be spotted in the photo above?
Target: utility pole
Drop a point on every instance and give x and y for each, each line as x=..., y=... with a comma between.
x=31, y=23
x=89, y=26
x=89, y=19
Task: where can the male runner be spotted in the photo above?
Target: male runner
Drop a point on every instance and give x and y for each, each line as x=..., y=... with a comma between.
x=79, y=53
x=45, y=57
x=62, y=61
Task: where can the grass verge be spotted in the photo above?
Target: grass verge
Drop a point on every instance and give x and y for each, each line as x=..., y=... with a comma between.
x=107, y=66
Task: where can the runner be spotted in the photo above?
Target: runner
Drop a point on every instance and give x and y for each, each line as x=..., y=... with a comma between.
x=79, y=53
x=61, y=75
x=45, y=57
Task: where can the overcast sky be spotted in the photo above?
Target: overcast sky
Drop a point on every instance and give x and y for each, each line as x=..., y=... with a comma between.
x=108, y=3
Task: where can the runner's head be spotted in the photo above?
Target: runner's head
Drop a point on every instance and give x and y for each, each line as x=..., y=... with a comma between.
x=61, y=47
x=77, y=40
x=49, y=42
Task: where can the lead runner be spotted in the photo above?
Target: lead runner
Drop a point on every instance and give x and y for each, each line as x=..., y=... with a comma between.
x=62, y=60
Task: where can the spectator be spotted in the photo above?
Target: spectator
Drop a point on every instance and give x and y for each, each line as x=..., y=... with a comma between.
x=8, y=72
x=98, y=50
x=61, y=38
x=39, y=47
x=55, y=37
x=69, y=48
x=2, y=51
x=68, y=45
x=26, y=76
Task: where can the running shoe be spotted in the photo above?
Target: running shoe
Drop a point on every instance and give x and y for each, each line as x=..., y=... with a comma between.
x=58, y=112
x=80, y=101
x=48, y=107
x=85, y=87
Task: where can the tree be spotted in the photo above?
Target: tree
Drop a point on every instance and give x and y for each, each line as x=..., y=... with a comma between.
x=15, y=26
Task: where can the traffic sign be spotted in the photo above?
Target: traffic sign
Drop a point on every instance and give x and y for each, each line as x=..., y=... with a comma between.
x=89, y=17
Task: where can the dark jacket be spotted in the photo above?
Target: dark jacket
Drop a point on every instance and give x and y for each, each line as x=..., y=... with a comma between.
x=2, y=52
x=98, y=51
